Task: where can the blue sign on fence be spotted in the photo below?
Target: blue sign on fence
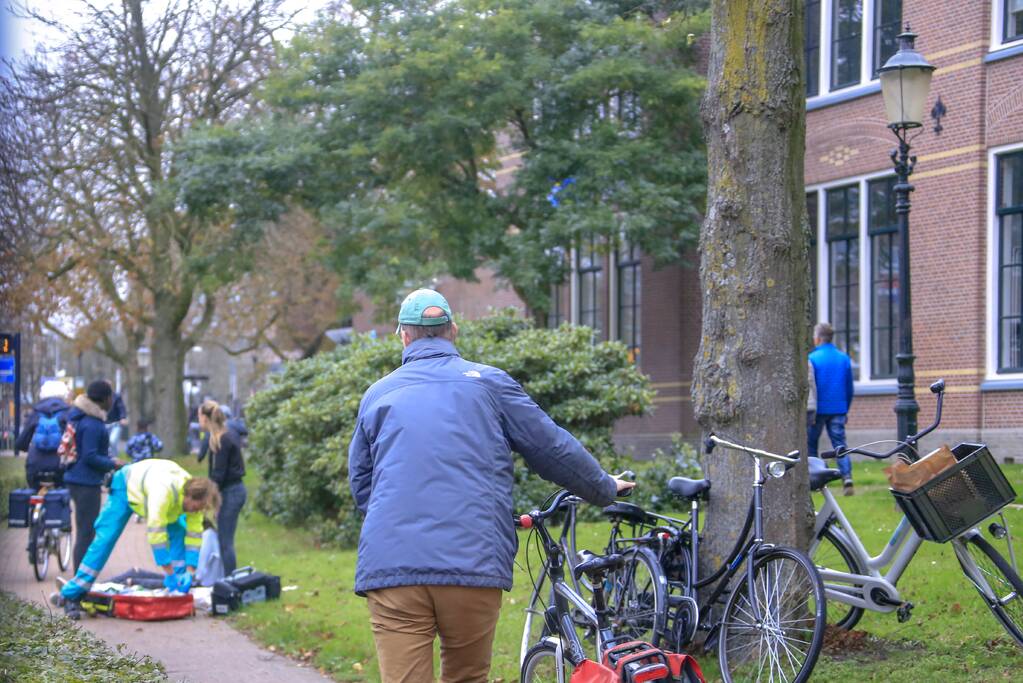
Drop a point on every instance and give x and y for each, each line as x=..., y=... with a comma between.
x=6, y=369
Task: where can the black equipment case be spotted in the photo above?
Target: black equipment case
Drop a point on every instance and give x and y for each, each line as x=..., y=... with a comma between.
x=242, y=587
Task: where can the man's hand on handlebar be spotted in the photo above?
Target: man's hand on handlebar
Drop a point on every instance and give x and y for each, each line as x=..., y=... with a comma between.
x=624, y=485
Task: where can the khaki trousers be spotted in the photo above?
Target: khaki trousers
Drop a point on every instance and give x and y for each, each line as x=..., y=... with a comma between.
x=407, y=619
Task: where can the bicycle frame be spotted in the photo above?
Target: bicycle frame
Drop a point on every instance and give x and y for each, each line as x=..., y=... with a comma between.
x=877, y=591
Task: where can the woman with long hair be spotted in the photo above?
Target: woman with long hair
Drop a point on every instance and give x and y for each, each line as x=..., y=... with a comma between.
x=227, y=469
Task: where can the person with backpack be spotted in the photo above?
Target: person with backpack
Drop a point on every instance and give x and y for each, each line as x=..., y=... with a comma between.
x=43, y=429
x=84, y=475
x=144, y=444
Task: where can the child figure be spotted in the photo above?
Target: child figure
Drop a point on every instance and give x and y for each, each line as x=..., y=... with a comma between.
x=144, y=444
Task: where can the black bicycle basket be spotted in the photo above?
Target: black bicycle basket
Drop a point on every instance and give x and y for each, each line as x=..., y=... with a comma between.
x=958, y=498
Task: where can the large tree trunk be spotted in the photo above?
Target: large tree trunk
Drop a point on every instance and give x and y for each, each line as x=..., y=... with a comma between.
x=168, y=407
x=751, y=369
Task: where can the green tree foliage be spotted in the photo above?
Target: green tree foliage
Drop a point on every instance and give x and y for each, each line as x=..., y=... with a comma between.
x=410, y=110
x=301, y=425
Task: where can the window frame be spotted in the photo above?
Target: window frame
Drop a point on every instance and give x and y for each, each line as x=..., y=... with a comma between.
x=999, y=14
x=890, y=231
x=868, y=74
x=866, y=380
x=994, y=293
x=598, y=287
x=623, y=267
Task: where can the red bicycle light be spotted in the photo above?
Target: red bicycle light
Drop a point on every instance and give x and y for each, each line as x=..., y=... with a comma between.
x=526, y=522
x=664, y=535
x=35, y=500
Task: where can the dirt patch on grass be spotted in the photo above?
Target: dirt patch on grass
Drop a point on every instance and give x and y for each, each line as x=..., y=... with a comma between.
x=845, y=645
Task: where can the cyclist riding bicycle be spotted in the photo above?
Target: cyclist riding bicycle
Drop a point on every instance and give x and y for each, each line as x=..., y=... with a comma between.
x=41, y=434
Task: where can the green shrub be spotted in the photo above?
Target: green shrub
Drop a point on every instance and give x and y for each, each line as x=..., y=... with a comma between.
x=12, y=476
x=38, y=648
x=301, y=425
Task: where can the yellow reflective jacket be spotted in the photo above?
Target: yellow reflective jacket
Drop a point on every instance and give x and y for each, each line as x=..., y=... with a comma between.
x=156, y=491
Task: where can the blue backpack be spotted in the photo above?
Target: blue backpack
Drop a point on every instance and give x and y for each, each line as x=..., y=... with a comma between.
x=48, y=433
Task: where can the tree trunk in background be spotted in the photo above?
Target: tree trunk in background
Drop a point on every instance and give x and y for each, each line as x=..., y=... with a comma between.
x=750, y=371
x=168, y=409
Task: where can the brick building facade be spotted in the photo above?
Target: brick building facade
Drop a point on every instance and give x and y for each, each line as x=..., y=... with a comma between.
x=966, y=243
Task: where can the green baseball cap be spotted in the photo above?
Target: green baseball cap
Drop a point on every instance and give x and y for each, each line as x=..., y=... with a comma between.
x=412, y=308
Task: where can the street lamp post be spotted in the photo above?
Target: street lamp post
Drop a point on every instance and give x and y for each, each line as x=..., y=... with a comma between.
x=905, y=84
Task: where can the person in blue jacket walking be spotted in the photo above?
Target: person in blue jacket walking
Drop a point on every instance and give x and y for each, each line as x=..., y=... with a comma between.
x=833, y=376
x=430, y=466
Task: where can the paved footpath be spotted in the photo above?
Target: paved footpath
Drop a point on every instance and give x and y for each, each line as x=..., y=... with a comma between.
x=196, y=650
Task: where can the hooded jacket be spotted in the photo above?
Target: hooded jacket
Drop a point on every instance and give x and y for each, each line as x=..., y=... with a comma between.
x=430, y=465
x=41, y=460
x=92, y=442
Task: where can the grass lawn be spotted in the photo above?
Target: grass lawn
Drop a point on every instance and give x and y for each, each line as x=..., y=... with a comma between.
x=951, y=636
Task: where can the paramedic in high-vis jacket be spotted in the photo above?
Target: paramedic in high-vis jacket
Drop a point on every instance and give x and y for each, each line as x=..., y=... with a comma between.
x=430, y=465
x=172, y=502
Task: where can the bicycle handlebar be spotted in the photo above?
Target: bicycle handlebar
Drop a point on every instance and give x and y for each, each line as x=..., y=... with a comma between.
x=936, y=388
x=713, y=440
x=562, y=498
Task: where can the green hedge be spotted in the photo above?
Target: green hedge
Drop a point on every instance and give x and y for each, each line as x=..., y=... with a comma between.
x=301, y=425
x=38, y=648
x=12, y=476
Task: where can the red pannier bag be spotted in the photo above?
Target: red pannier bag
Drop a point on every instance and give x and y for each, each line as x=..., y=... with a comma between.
x=161, y=608
x=639, y=662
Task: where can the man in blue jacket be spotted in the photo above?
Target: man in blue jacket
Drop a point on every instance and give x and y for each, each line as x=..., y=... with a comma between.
x=84, y=477
x=430, y=465
x=832, y=371
x=41, y=434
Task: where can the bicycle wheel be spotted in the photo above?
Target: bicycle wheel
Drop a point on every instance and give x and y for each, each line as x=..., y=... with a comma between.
x=41, y=556
x=540, y=665
x=996, y=581
x=830, y=551
x=783, y=643
x=637, y=599
x=63, y=549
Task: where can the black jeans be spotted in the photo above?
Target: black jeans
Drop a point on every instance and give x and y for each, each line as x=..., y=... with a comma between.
x=232, y=500
x=87, y=500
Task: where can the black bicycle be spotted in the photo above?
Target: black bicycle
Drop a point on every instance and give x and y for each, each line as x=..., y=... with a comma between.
x=772, y=627
x=47, y=534
x=559, y=651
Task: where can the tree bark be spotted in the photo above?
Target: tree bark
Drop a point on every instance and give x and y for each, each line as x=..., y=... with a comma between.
x=168, y=409
x=750, y=371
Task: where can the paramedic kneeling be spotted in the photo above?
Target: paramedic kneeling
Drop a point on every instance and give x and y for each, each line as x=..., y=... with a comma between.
x=430, y=465
x=171, y=501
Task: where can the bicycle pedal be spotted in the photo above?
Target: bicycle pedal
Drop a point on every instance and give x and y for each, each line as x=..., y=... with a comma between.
x=904, y=612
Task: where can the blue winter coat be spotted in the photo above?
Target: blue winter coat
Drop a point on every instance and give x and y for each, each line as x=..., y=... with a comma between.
x=430, y=465
x=832, y=371
x=40, y=461
x=92, y=442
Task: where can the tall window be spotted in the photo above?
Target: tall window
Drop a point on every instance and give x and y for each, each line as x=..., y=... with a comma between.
x=882, y=227
x=811, y=215
x=590, y=271
x=842, y=234
x=887, y=26
x=1012, y=20
x=1009, y=212
x=629, y=298
x=812, y=46
x=846, y=42
x=556, y=314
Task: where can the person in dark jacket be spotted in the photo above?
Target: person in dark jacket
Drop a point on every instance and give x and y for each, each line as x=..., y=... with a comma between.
x=117, y=422
x=84, y=477
x=430, y=466
x=42, y=432
x=833, y=380
x=227, y=469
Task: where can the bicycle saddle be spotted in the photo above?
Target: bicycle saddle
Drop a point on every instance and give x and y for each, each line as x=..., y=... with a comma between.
x=597, y=566
x=690, y=489
x=821, y=474
x=627, y=511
